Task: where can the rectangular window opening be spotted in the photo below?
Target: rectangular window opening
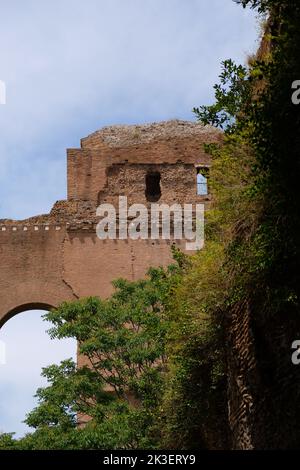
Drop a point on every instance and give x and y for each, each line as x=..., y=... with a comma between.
x=202, y=181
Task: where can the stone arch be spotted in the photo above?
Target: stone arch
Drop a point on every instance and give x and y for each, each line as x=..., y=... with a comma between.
x=32, y=269
x=24, y=308
x=32, y=295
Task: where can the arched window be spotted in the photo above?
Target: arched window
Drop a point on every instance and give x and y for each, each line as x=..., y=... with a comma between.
x=153, y=191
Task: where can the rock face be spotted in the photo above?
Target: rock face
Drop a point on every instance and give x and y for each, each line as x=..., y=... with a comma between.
x=50, y=258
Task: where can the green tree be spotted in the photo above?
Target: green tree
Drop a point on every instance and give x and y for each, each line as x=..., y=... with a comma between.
x=255, y=218
x=7, y=441
x=122, y=343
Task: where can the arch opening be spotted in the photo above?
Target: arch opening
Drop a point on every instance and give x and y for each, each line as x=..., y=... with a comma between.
x=26, y=349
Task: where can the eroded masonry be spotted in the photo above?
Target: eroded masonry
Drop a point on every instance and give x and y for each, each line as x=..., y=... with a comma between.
x=50, y=258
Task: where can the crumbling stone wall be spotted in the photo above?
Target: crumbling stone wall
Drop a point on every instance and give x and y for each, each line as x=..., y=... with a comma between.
x=50, y=258
x=177, y=183
x=263, y=383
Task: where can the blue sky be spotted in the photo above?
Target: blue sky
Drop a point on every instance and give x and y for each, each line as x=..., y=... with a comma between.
x=71, y=67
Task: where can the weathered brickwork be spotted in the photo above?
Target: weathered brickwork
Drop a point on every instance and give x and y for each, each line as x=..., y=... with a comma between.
x=57, y=256
x=263, y=383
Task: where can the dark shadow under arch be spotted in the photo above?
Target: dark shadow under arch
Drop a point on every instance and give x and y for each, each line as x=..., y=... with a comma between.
x=24, y=308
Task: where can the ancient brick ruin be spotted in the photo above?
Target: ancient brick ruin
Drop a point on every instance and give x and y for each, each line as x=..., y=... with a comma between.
x=51, y=258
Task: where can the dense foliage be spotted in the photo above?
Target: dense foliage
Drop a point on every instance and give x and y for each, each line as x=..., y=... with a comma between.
x=254, y=224
x=117, y=389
